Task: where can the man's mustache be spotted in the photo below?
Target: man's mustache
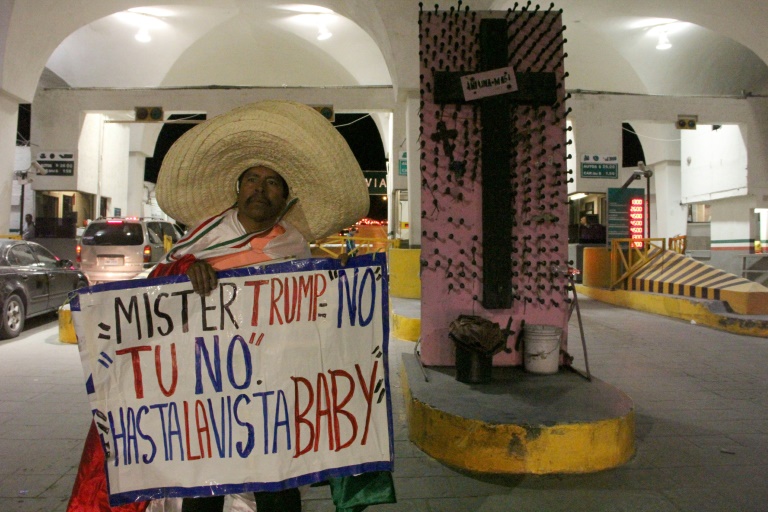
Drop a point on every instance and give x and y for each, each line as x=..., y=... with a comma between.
x=261, y=198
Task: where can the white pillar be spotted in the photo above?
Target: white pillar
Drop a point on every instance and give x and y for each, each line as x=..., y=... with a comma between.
x=763, y=228
x=670, y=214
x=136, y=194
x=414, y=169
x=9, y=113
x=734, y=228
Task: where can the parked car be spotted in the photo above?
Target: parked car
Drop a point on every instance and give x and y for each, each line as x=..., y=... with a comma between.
x=33, y=281
x=118, y=248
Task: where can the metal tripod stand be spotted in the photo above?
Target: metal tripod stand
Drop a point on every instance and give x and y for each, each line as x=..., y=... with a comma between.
x=574, y=304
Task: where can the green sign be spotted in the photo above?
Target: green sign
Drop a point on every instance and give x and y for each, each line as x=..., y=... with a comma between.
x=377, y=182
x=402, y=164
x=589, y=170
x=599, y=166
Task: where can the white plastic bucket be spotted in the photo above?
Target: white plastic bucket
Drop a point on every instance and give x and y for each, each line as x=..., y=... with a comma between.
x=541, y=348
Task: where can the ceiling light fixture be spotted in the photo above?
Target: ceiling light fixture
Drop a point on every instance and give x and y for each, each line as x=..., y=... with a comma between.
x=305, y=8
x=144, y=22
x=663, y=43
x=143, y=36
x=323, y=33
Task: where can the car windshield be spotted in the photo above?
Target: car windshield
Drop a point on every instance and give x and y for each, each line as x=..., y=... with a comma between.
x=113, y=233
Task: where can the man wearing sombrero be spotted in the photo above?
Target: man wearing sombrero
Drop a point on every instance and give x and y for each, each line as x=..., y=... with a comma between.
x=257, y=183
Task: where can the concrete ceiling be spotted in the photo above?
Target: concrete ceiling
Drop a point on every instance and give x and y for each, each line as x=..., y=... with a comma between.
x=611, y=45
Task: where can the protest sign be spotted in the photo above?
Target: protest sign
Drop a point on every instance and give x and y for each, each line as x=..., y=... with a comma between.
x=278, y=378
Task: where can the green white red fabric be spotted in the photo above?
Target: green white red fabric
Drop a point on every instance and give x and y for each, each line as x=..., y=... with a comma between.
x=223, y=234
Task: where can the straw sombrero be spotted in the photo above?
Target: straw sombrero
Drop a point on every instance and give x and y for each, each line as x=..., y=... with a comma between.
x=198, y=175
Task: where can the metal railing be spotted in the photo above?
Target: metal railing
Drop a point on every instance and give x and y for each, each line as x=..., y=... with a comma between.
x=677, y=244
x=335, y=246
x=629, y=255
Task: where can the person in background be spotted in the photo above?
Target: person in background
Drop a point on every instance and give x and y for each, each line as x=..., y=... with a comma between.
x=29, y=227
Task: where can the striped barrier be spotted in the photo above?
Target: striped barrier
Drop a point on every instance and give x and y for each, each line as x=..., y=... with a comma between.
x=675, y=274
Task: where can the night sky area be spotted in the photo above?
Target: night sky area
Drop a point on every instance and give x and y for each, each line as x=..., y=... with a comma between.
x=631, y=148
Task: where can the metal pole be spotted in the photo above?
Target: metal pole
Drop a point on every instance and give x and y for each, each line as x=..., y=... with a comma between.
x=21, y=212
x=648, y=203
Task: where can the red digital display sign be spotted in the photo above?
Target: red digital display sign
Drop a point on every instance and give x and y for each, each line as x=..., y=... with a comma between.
x=637, y=220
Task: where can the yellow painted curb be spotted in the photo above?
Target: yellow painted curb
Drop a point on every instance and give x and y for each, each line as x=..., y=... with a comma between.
x=519, y=449
x=747, y=299
x=405, y=328
x=66, y=326
x=676, y=307
x=404, y=273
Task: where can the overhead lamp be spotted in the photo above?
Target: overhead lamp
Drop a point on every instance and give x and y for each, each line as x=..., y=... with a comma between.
x=577, y=196
x=305, y=8
x=143, y=36
x=663, y=43
x=144, y=20
x=323, y=33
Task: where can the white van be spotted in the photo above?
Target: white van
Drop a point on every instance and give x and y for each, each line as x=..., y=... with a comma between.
x=119, y=248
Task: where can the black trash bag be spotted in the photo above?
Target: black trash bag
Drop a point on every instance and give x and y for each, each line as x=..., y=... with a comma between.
x=478, y=334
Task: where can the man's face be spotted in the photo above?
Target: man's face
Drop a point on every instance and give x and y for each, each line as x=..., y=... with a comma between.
x=261, y=197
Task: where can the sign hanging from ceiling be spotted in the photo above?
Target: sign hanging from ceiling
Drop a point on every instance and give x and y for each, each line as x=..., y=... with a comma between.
x=599, y=166
x=57, y=163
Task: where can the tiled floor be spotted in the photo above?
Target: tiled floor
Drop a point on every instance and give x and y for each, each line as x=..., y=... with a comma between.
x=702, y=426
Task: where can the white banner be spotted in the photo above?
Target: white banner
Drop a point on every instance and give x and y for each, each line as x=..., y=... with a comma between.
x=277, y=379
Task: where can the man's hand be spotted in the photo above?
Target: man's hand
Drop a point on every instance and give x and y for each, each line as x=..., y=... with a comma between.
x=203, y=277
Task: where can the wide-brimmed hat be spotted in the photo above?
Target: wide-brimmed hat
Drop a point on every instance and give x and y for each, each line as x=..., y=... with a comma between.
x=199, y=173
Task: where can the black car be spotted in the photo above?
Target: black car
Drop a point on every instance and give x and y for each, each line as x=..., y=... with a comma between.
x=33, y=281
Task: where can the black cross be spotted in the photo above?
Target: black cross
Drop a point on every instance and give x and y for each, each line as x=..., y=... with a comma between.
x=445, y=135
x=496, y=139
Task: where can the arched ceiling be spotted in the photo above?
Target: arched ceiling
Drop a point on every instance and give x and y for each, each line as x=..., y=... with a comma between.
x=224, y=43
x=611, y=46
